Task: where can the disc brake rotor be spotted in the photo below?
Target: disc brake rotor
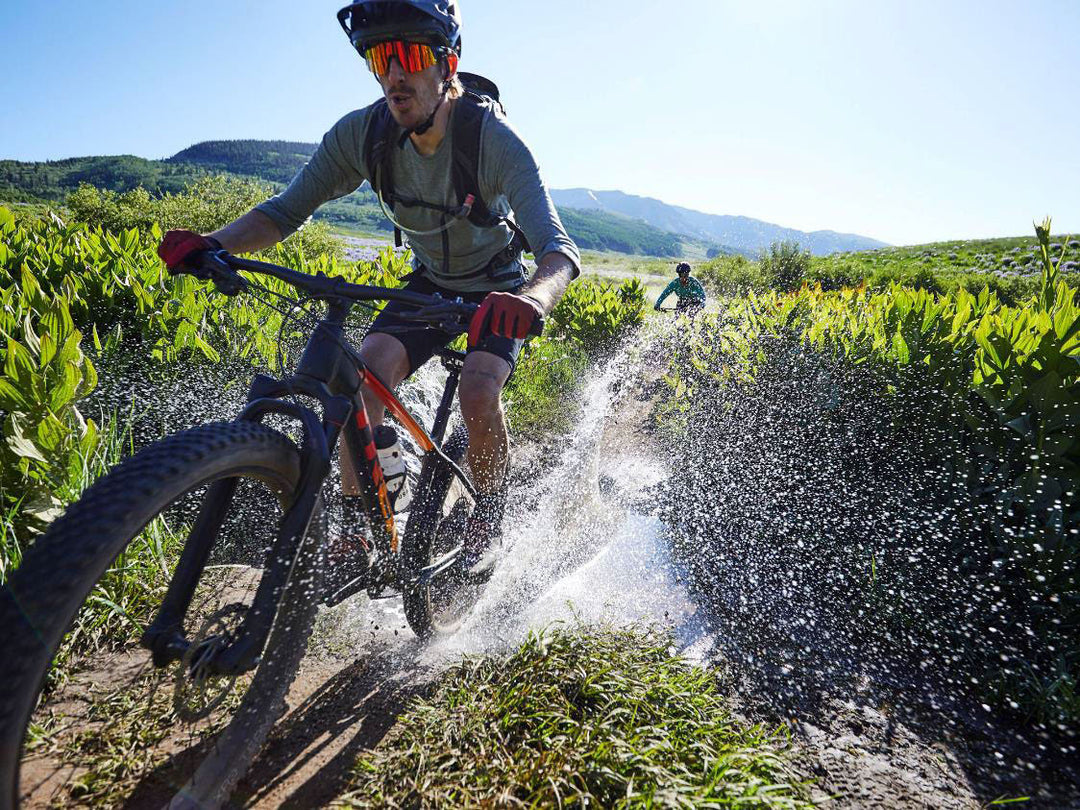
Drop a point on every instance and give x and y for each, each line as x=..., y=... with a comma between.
x=198, y=691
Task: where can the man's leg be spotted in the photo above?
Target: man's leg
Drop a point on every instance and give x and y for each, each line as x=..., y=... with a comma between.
x=480, y=394
x=386, y=356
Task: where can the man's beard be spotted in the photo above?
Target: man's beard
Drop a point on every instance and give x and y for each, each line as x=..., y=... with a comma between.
x=416, y=112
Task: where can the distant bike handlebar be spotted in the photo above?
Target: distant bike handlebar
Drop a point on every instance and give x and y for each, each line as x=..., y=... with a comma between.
x=680, y=309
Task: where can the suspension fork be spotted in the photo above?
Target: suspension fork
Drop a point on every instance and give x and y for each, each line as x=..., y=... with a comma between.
x=164, y=636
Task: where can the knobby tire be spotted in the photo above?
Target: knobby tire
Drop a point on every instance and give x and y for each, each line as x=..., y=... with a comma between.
x=419, y=547
x=44, y=595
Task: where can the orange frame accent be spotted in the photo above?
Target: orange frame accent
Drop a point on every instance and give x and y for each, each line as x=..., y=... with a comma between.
x=377, y=478
x=420, y=436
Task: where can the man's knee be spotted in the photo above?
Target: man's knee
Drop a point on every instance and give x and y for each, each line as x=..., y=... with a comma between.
x=480, y=397
x=482, y=381
x=386, y=356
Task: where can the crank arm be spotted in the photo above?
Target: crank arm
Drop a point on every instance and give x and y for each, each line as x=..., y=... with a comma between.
x=427, y=574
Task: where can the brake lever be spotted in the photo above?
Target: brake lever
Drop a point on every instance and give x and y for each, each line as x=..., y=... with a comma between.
x=210, y=266
x=449, y=316
x=227, y=280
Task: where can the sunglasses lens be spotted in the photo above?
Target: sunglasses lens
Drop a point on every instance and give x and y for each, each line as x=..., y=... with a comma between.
x=412, y=56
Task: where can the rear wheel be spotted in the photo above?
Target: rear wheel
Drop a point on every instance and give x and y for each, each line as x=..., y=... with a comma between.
x=84, y=715
x=436, y=527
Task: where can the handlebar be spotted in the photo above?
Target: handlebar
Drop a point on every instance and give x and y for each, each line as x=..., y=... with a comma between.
x=680, y=309
x=452, y=315
x=221, y=267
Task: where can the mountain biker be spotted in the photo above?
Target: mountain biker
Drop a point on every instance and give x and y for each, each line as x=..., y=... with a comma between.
x=688, y=290
x=412, y=48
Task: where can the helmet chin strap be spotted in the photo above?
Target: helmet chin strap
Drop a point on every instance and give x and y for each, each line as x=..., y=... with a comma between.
x=427, y=124
x=420, y=129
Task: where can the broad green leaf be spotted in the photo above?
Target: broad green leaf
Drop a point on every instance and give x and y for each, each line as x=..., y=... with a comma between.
x=20, y=444
x=18, y=361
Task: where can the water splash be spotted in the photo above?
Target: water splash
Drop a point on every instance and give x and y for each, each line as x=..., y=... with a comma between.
x=576, y=547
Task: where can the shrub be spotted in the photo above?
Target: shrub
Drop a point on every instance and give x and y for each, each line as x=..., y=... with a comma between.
x=595, y=314
x=205, y=205
x=537, y=394
x=784, y=266
x=920, y=278
x=731, y=276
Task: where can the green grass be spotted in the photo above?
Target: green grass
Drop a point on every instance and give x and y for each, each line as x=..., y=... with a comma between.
x=536, y=396
x=576, y=717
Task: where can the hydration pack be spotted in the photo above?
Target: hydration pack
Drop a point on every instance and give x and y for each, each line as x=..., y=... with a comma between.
x=480, y=100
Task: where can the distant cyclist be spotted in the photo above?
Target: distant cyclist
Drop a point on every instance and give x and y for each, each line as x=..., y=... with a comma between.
x=688, y=290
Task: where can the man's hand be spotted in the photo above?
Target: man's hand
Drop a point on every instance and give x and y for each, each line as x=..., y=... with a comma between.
x=506, y=315
x=179, y=246
x=656, y=306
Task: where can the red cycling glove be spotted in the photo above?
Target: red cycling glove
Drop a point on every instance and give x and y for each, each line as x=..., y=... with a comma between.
x=177, y=246
x=506, y=315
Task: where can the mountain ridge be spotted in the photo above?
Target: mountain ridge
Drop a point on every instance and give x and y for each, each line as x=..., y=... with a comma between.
x=600, y=220
x=739, y=232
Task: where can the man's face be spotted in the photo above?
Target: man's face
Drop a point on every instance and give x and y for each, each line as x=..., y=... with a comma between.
x=411, y=96
x=683, y=277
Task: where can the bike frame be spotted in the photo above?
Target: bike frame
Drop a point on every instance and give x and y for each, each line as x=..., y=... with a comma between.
x=330, y=371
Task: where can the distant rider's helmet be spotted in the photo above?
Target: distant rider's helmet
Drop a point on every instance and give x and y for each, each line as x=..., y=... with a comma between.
x=682, y=269
x=435, y=22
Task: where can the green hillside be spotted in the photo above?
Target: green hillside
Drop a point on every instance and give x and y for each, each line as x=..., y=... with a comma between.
x=53, y=180
x=276, y=162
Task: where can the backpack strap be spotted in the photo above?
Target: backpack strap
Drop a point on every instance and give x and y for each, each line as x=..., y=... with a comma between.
x=382, y=135
x=472, y=110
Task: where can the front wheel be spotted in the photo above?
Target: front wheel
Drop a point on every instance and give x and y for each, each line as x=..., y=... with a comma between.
x=84, y=717
x=435, y=529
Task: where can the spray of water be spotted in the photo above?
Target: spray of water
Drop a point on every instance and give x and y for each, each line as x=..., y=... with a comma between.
x=574, y=550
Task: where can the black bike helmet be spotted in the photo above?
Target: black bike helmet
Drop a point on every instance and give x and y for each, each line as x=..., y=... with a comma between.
x=437, y=22
x=682, y=267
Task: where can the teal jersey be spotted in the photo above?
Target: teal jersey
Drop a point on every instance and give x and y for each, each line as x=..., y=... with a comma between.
x=691, y=291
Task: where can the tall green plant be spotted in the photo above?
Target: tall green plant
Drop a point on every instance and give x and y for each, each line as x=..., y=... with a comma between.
x=595, y=313
x=784, y=265
x=69, y=292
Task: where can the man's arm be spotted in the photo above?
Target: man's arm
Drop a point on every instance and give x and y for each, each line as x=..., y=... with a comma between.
x=554, y=272
x=251, y=232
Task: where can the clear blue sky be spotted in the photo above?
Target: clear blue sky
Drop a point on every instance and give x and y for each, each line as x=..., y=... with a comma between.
x=907, y=121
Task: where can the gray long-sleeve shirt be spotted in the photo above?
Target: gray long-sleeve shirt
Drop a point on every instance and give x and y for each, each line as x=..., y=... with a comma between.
x=509, y=182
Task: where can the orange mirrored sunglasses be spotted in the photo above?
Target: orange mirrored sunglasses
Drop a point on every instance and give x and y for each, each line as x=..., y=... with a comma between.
x=412, y=56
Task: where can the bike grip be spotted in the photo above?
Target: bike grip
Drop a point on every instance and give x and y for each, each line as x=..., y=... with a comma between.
x=537, y=327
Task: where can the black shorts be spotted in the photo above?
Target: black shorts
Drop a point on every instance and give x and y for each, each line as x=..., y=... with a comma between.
x=421, y=341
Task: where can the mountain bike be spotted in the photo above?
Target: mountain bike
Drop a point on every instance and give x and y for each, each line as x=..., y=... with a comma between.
x=241, y=504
